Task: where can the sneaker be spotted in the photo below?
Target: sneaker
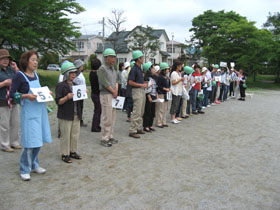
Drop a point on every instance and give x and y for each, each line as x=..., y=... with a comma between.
x=208, y=105
x=16, y=147
x=175, y=121
x=8, y=150
x=113, y=141
x=217, y=102
x=195, y=112
x=25, y=177
x=200, y=112
x=38, y=170
x=106, y=143
x=203, y=107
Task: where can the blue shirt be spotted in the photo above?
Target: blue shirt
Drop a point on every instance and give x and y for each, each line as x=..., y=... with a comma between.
x=136, y=75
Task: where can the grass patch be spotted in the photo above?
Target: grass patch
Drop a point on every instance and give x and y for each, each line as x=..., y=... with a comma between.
x=263, y=82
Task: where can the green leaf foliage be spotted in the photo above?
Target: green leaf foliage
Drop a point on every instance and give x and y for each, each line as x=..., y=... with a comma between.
x=39, y=25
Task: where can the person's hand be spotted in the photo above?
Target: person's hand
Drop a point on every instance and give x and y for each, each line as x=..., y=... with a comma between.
x=145, y=85
x=115, y=93
x=51, y=92
x=14, y=65
x=182, y=79
x=70, y=96
x=32, y=97
x=8, y=82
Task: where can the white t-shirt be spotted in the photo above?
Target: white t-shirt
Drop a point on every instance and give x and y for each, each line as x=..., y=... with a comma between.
x=80, y=79
x=209, y=78
x=178, y=88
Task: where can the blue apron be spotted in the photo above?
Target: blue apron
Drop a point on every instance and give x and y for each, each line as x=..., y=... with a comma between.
x=35, y=127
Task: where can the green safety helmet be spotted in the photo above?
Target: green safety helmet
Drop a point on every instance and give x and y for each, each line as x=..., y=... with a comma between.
x=67, y=66
x=213, y=83
x=163, y=66
x=147, y=66
x=188, y=70
x=244, y=85
x=137, y=54
x=109, y=52
x=216, y=66
x=132, y=63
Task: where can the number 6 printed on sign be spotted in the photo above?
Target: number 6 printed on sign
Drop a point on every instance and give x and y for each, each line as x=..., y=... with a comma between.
x=80, y=92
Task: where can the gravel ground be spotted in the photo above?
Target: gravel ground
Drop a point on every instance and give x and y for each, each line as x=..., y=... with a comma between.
x=226, y=159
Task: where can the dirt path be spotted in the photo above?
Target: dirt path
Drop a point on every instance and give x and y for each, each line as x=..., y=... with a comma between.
x=226, y=159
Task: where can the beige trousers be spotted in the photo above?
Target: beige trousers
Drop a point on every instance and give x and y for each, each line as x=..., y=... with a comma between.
x=70, y=132
x=160, y=111
x=139, y=100
x=9, y=126
x=108, y=116
x=184, y=108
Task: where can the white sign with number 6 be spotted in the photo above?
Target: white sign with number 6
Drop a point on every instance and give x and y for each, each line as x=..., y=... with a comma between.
x=80, y=92
x=118, y=102
x=43, y=94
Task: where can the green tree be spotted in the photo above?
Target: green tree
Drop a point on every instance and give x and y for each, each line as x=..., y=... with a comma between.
x=40, y=25
x=92, y=56
x=273, y=24
x=143, y=39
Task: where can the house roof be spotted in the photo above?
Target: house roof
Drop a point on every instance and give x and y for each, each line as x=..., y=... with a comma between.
x=174, y=42
x=122, y=43
x=84, y=37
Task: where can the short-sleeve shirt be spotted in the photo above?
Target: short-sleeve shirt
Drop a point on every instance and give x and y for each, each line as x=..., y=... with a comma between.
x=136, y=75
x=177, y=89
x=197, y=85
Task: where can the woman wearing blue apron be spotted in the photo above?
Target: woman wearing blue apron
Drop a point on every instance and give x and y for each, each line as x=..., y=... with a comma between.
x=35, y=127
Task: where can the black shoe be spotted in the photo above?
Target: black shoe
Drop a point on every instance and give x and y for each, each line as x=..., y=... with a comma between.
x=165, y=125
x=113, y=141
x=243, y=99
x=240, y=99
x=201, y=112
x=75, y=156
x=96, y=130
x=106, y=143
x=195, y=112
x=160, y=126
x=152, y=129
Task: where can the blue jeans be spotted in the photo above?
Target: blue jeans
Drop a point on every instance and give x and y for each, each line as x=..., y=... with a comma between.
x=29, y=160
x=195, y=102
x=225, y=92
x=206, y=96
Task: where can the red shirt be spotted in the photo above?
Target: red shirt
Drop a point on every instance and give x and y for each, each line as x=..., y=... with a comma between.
x=197, y=85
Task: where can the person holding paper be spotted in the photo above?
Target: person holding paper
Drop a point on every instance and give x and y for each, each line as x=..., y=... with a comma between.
x=151, y=94
x=9, y=123
x=69, y=113
x=35, y=127
x=108, y=85
x=196, y=104
x=80, y=80
x=214, y=74
x=162, y=89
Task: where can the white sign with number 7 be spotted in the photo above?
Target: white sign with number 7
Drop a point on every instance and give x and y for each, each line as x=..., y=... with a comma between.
x=80, y=92
x=43, y=94
x=118, y=102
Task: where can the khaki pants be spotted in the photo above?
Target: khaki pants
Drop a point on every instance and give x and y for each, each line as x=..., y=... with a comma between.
x=70, y=132
x=108, y=116
x=165, y=112
x=9, y=126
x=139, y=100
x=184, y=108
x=160, y=111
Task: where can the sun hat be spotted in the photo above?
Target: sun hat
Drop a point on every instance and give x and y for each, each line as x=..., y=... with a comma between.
x=126, y=64
x=78, y=63
x=5, y=53
x=204, y=69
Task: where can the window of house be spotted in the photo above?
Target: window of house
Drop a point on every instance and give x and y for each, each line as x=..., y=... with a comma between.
x=169, y=49
x=153, y=60
x=99, y=45
x=162, y=46
x=80, y=45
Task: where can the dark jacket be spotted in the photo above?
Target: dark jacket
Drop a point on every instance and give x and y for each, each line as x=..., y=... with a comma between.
x=66, y=110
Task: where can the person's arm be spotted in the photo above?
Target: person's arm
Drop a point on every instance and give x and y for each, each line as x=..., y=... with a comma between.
x=135, y=84
x=6, y=82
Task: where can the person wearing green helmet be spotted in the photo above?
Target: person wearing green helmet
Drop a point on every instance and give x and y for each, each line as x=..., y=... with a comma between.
x=69, y=113
x=108, y=84
x=214, y=73
x=136, y=81
x=242, y=85
x=163, y=88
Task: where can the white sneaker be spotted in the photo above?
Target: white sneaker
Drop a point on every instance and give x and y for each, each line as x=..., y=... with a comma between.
x=39, y=170
x=203, y=107
x=25, y=177
x=175, y=121
x=208, y=105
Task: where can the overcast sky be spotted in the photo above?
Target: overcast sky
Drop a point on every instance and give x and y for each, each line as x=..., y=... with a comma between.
x=175, y=16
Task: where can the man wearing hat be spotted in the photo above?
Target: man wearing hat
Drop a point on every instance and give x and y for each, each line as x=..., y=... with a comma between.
x=136, y=81
x=9, y=112
x=108, y=84
x=80, y=80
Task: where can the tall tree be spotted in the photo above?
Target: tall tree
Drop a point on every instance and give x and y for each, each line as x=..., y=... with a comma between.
x=40, y=25
x=142, y=38
x=116, y=22
x=273, y=24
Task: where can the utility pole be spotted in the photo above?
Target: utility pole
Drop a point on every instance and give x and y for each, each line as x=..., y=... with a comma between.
x=103, y=33
x=172, y=48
